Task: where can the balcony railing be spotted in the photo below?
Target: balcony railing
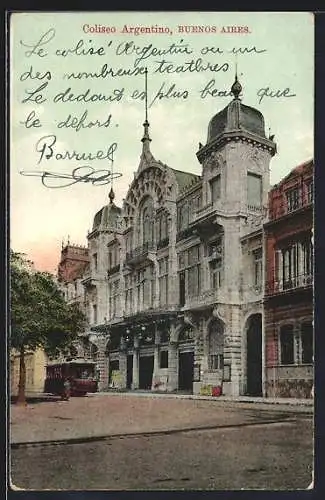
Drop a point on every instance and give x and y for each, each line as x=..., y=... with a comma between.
x=163, y=243
x=184, y=233
x=204, y=212
x=88, y=279
x=140, y=253
x=113, y=270
x=274, y=287
x=200, y=301
x=254, y=208
x=285, y=208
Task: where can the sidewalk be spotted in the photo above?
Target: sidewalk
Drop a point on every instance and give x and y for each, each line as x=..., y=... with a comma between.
x=35, y=397
x=229, y=399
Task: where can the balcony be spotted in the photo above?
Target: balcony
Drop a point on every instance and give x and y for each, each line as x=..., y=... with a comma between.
x=113, y=270
x=163, y=243
x=255, y=209
x=253, y=290
x=184, y=233
x=88, y=279
x=214, y=255
x=284, y=208
x=141, y=254
x=275, y=287
x=205, y=218
x=206, y=212
x=206, y=298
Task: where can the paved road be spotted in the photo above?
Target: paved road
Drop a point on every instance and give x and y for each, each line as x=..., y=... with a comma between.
x=225, y=446
x=103, y=415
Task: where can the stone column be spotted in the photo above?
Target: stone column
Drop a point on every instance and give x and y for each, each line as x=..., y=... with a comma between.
x=135, y=294
x=121, y=293
x=102, y=361
x=122, y=369
x=155, y=361
x=156, y=302
x=301, y=268
x=123, y=364
x=279, y=271
x=156, y=353
x=205, y=269
x=234, y=352
x=172, y=367
x=135, y=368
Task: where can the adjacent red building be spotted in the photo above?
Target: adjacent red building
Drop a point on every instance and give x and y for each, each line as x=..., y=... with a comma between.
x=288, y=302
x=73, y=262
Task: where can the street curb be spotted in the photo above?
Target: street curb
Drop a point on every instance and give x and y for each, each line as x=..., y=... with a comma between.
x=278, y=401
x=90, y=439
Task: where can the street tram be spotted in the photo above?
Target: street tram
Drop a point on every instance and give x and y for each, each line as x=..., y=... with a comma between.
x=82, y=375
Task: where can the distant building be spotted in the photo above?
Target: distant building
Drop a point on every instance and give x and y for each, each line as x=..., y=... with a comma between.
x=174, y=292
x=35, y=363
x=73, y=262
x=288, y=303
x=73, y=265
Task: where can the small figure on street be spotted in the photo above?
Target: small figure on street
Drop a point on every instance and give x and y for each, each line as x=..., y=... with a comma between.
x=66, y=390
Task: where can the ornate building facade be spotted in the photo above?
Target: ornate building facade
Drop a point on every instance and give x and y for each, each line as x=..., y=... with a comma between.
x=174, y=287
x=288, y=303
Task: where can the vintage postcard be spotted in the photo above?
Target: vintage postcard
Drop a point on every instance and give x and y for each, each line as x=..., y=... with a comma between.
x=161, y=242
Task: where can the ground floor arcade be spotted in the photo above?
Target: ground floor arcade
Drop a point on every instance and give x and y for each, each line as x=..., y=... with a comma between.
x=201, y=353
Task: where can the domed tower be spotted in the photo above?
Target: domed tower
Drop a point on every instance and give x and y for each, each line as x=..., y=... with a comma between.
x=106, y=227
x=108, y=217
x=235, y=183
x=236, y=158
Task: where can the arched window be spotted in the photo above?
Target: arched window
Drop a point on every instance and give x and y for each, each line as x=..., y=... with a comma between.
x=147, y=221
x=164, y=336
x=215, y=345
x=186, y=334
x=182, y=216
x=163, y=227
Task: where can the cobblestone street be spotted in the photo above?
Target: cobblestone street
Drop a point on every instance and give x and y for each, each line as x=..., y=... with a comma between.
x=131, y=442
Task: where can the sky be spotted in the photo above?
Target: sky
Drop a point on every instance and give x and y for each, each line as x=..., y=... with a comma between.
x=275, y=66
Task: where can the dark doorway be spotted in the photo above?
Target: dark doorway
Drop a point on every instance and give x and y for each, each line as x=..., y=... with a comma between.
x=254, y=356
x=145, y=372
x=182, y=288
x=129, y=371
x=185, y=371
x=113, y=366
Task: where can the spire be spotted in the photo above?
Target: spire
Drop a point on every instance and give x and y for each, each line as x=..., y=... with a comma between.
x=236, y=87
x=111, y=193
x=146, y=139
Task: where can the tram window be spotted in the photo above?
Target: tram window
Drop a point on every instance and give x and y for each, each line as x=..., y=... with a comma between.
x=163, y=363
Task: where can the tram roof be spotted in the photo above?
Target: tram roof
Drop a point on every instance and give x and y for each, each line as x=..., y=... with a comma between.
x=72, y=361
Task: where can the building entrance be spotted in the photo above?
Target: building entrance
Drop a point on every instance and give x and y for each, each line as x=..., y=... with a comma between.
x=129, y=371
x=185, y=371
x=145, y=372
x=254, y=356
x=113, y=367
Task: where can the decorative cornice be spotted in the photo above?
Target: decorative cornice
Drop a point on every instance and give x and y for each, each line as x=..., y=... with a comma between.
x=237, y=135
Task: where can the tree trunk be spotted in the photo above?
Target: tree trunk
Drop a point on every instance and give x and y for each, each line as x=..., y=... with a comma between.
x=21, y=399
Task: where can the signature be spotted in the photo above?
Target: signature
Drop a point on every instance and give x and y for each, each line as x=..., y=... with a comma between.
x=46, y=147
x=85, y=173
